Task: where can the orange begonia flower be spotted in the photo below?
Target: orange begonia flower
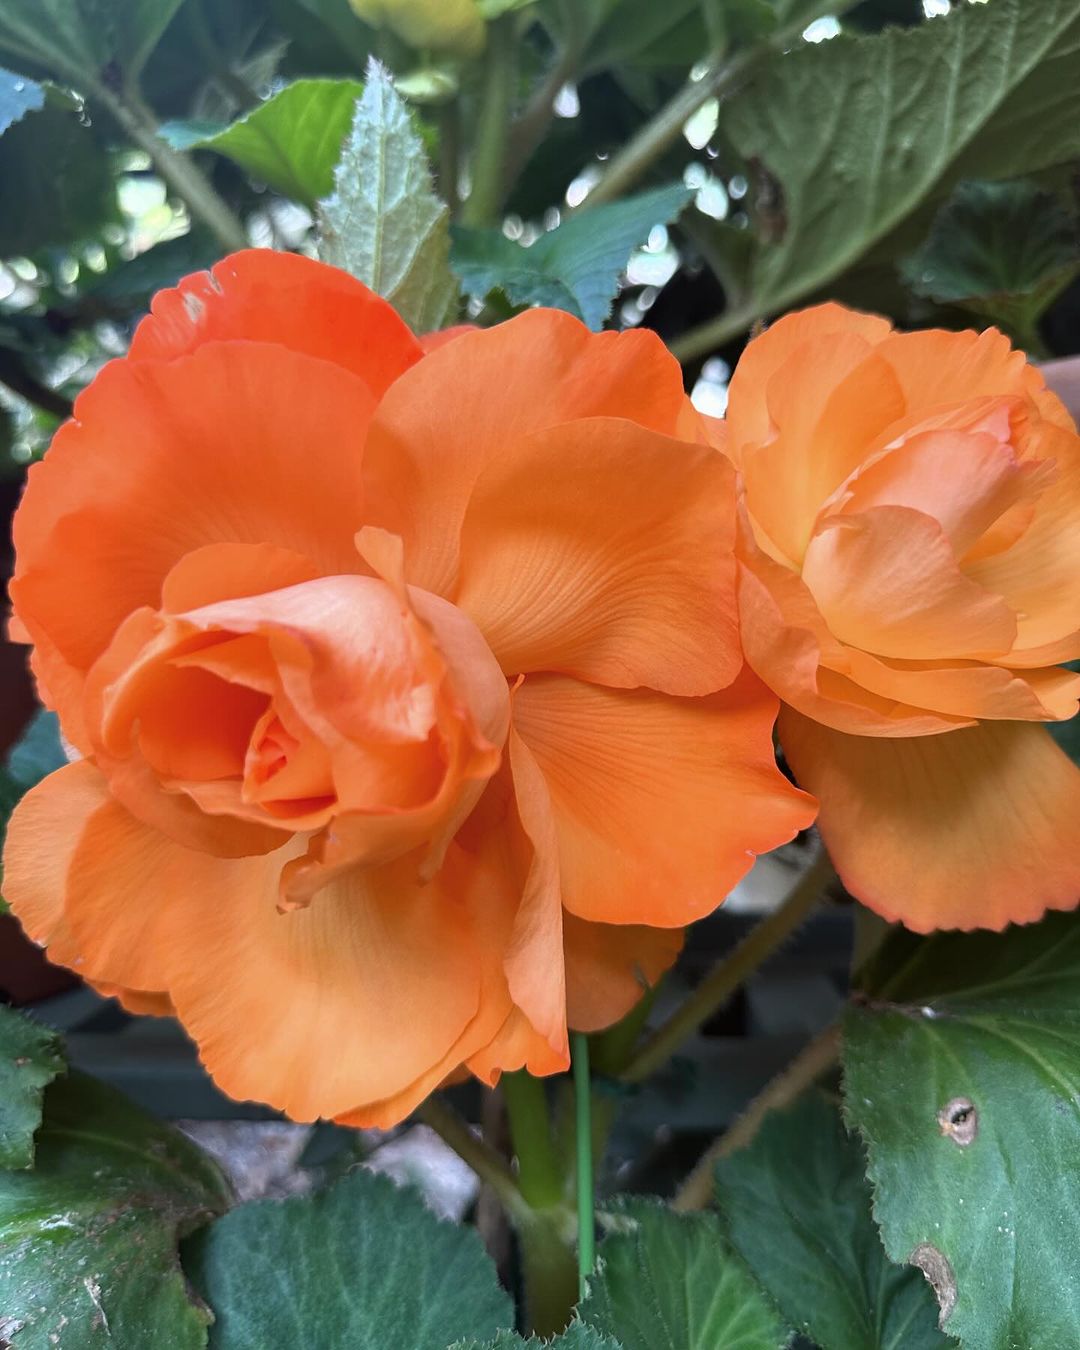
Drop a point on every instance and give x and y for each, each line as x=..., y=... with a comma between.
x=408, y=687
x=909, y=550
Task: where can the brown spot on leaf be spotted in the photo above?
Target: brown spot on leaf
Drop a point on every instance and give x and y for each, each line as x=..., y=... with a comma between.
x=958, y=1120
x=935, y=1266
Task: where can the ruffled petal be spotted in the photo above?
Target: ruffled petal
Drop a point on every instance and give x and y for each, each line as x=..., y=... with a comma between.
x=661, y=804
x=609, y=967
x=461, y=408
x=261, y=295
x=974, y=829
x=603, y=550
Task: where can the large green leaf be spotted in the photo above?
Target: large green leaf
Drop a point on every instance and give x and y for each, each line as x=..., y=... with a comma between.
x=962, y=1071
x=30, y=1058
x=848, y=138
x=1003, y=250
x=18, y=96
x=364, y=1265
x=576, y=266
x=384, y=223
x=797, y=1207
x=56, y=187
x=293, y=141
x=577, y=1336
x=88, y=42
x=88, y=1238
x=671, y=1282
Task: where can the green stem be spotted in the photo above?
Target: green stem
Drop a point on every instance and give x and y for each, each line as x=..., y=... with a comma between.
x=540, y=1173
x=586, y=1203
x=706, y=337
x=529, y=129
x=492, y=1169
x=719, y=985
x=450, y=155
x=820, y=1054
x=550, y=1274
x=493, y=128
x=179, y=171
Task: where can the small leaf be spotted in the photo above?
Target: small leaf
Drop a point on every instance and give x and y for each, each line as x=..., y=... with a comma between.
x=673, y=1283
x=384, y=223
x=363, y=1264
x=18, y=96
x=31, y=1056
x=962, y=1072
x=796, y=1205
x=88, y=1237
x=1004, y=250
x=292, y=142
x=576, y=266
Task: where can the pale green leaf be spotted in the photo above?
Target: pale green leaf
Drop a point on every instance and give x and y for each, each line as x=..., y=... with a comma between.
x=796, y=1205
x=846, y=139
x=577, y=266
x=18, y=96
x=293, y=141
x=363, y=1265
x=962, y=1072
x=31, y=1056
x=383, y=222
x=88, y=1237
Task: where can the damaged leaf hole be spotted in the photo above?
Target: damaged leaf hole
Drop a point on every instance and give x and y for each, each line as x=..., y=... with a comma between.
x=935, y=1266
x=958, y=1120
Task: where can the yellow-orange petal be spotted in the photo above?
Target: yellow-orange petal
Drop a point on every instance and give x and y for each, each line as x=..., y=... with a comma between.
x=609, y=967
x=261, y=295
x=975, y=829
x=459, y=409
x=107, y=515
x=603, y=550
x=230, y=572
x=887, y=581
x=661, y=804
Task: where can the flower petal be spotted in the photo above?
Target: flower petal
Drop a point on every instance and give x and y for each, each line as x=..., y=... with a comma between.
x=609, y=968
x=603, y=550
x=974, y=829
x=262, y=295
x=661, y=804
x=445, y=420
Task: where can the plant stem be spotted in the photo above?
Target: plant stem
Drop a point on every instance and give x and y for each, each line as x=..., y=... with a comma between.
x=496, y=102
x=492, y=1169
x=528, y=131
x=449, y=183
x=586, y=1204
x=179, y=170
x=550, y=1271
x=820, y=1054
x=719, y=985
x=540, y=1173
x=713, y=333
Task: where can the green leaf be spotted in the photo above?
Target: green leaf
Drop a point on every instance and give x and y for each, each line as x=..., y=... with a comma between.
x=796, y=1205
x=1004, y=250
x=576, y=266
x=671, y=1282
x=31, y=1056
x=186, y=133
x=88, y=42
x=18, y=96
x=384, y=223
x=292, y=142
x=37, y=752
x=846, y=139
x=130, y=284
x=363, y=1264
x=88, y=1238
x=56, y=187
x=962, y=1071
x=577, y=1336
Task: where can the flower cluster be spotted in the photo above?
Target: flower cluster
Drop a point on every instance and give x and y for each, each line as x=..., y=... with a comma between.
x=407, y=676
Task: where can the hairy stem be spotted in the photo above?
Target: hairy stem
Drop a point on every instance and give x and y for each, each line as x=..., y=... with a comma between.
x=493, y=128
x=719, y=985
x=492, y=1169
x=540, y=1170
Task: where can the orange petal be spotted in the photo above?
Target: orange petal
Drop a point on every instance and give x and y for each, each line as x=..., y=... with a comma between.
x=444, y=421
x=661, y=804
x=887, y=581
x=610, y=966
x=260, y=295
x=937, y=367
x=603, y=550
x=973, y=829
x=106, y=516
x=231, y=571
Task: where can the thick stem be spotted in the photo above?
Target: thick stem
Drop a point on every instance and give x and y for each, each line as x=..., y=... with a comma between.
x=550, y=1271
x=821, y=1053
x=586, y=1201
x=179, y=171
x=492, y=1169
x=713, y=333
x=493, y=128
x=449, y=183
x=540, y=1171
x=719, y=985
